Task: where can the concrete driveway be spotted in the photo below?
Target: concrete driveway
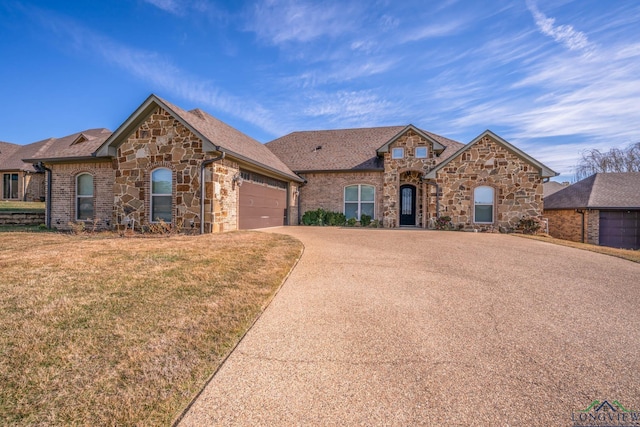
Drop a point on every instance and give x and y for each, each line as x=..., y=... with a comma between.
x=399, y=327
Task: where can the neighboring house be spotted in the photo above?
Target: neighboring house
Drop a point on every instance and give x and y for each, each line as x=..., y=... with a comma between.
x=405, y=176
x=165, y=164
x=548, y=188
x=20, y=180
x=603, y=209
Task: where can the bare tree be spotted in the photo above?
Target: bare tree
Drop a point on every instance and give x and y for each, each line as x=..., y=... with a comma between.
x=614, y=160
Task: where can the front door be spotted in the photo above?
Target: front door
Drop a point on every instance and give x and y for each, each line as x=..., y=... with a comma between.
x=407, y=205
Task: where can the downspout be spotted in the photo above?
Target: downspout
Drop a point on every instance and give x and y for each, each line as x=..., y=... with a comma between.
x=203, y=165
x=581, y=211
x=49, y=192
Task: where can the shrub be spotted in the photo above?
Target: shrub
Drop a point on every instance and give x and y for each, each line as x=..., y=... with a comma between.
x=351, y=222
x=365, y=220
x=444, y=223
x=529, y=225
x=322, y=217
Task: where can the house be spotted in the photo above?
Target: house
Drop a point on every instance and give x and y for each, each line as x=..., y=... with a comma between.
x=603, y=209
x=406, y=176
x=166, y=165
x=548, y=188
x=20, y=180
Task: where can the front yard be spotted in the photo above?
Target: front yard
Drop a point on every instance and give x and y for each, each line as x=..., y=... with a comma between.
x=122, y=331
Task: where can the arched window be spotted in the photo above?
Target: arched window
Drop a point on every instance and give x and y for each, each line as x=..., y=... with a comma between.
x=358, y=200
x=84, y=197
x=161, y=195
x=483, y=201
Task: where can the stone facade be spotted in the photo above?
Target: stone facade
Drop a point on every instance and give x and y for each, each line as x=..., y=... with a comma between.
x=407, y=170
x=161, y=141
x=517, y=185
x=63, y=194
x=326, y=190
x=567, y=224
x=34, y=187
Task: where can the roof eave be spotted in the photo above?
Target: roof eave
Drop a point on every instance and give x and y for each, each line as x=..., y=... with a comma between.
x=110, y=146
x=545, y=172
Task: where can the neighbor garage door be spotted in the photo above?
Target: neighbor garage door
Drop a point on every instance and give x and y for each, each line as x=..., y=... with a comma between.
x=262, y=202
x=620, y=229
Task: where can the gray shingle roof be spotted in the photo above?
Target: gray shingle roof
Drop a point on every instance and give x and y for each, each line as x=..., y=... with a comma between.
x=601, y=190
x=552, y=187
x=7, y=150
x=77, y=145
x=342, y=149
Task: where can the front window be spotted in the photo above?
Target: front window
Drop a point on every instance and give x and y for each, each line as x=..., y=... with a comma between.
x=359, y=200
x=84, y=197
x=483, y=199
x=10, y=181
x=421, y=152
x=161, y=195
x=397, y=153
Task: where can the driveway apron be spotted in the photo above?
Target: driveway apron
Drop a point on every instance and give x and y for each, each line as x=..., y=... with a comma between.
x=412, y=327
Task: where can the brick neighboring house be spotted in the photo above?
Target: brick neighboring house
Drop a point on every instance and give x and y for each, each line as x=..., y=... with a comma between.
x=166, y=164
x=603, y=209
x=406, y=176
x=20, y=180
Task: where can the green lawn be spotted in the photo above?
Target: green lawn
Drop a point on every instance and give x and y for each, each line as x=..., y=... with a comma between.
x=16, y=206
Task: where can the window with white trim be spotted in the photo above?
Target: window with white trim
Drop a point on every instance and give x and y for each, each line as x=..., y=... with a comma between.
x=161, y=195
x=397, y=153
x=84, y=197
x=483, y=201
x=359, y=200
x=421, y=152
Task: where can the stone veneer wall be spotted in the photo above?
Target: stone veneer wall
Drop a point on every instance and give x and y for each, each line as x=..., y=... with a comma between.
x=566, y=224
x=34, y=183
x=162, y=141
x=517, y=184
x=63, y=194
x=407, y=170
x=326, y=190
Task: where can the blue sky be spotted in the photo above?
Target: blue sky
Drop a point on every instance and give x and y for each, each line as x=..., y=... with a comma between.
x=553, y=77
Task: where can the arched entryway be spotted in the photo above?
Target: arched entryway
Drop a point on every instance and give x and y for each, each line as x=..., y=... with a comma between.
x=407, y=205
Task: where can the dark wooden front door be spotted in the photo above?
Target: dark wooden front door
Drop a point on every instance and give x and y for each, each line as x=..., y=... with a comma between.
x=407, y=205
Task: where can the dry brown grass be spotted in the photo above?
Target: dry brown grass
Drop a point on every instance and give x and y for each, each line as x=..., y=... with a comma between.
x=122, y=331
x=628, y=254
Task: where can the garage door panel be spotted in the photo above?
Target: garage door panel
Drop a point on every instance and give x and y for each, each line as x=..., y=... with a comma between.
x=261, y=206
x=620, y=229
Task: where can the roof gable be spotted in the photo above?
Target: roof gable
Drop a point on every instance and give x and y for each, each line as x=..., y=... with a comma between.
x=80, y=145
x=216, y=136
x=600, y=190
x=545, y=172
x=437, y=147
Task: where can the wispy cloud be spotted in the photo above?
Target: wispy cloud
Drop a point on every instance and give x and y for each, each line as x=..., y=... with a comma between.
x=349, y=108
x=564, y=34
x=157, y=69
x=171, y=6
x=282, y=21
